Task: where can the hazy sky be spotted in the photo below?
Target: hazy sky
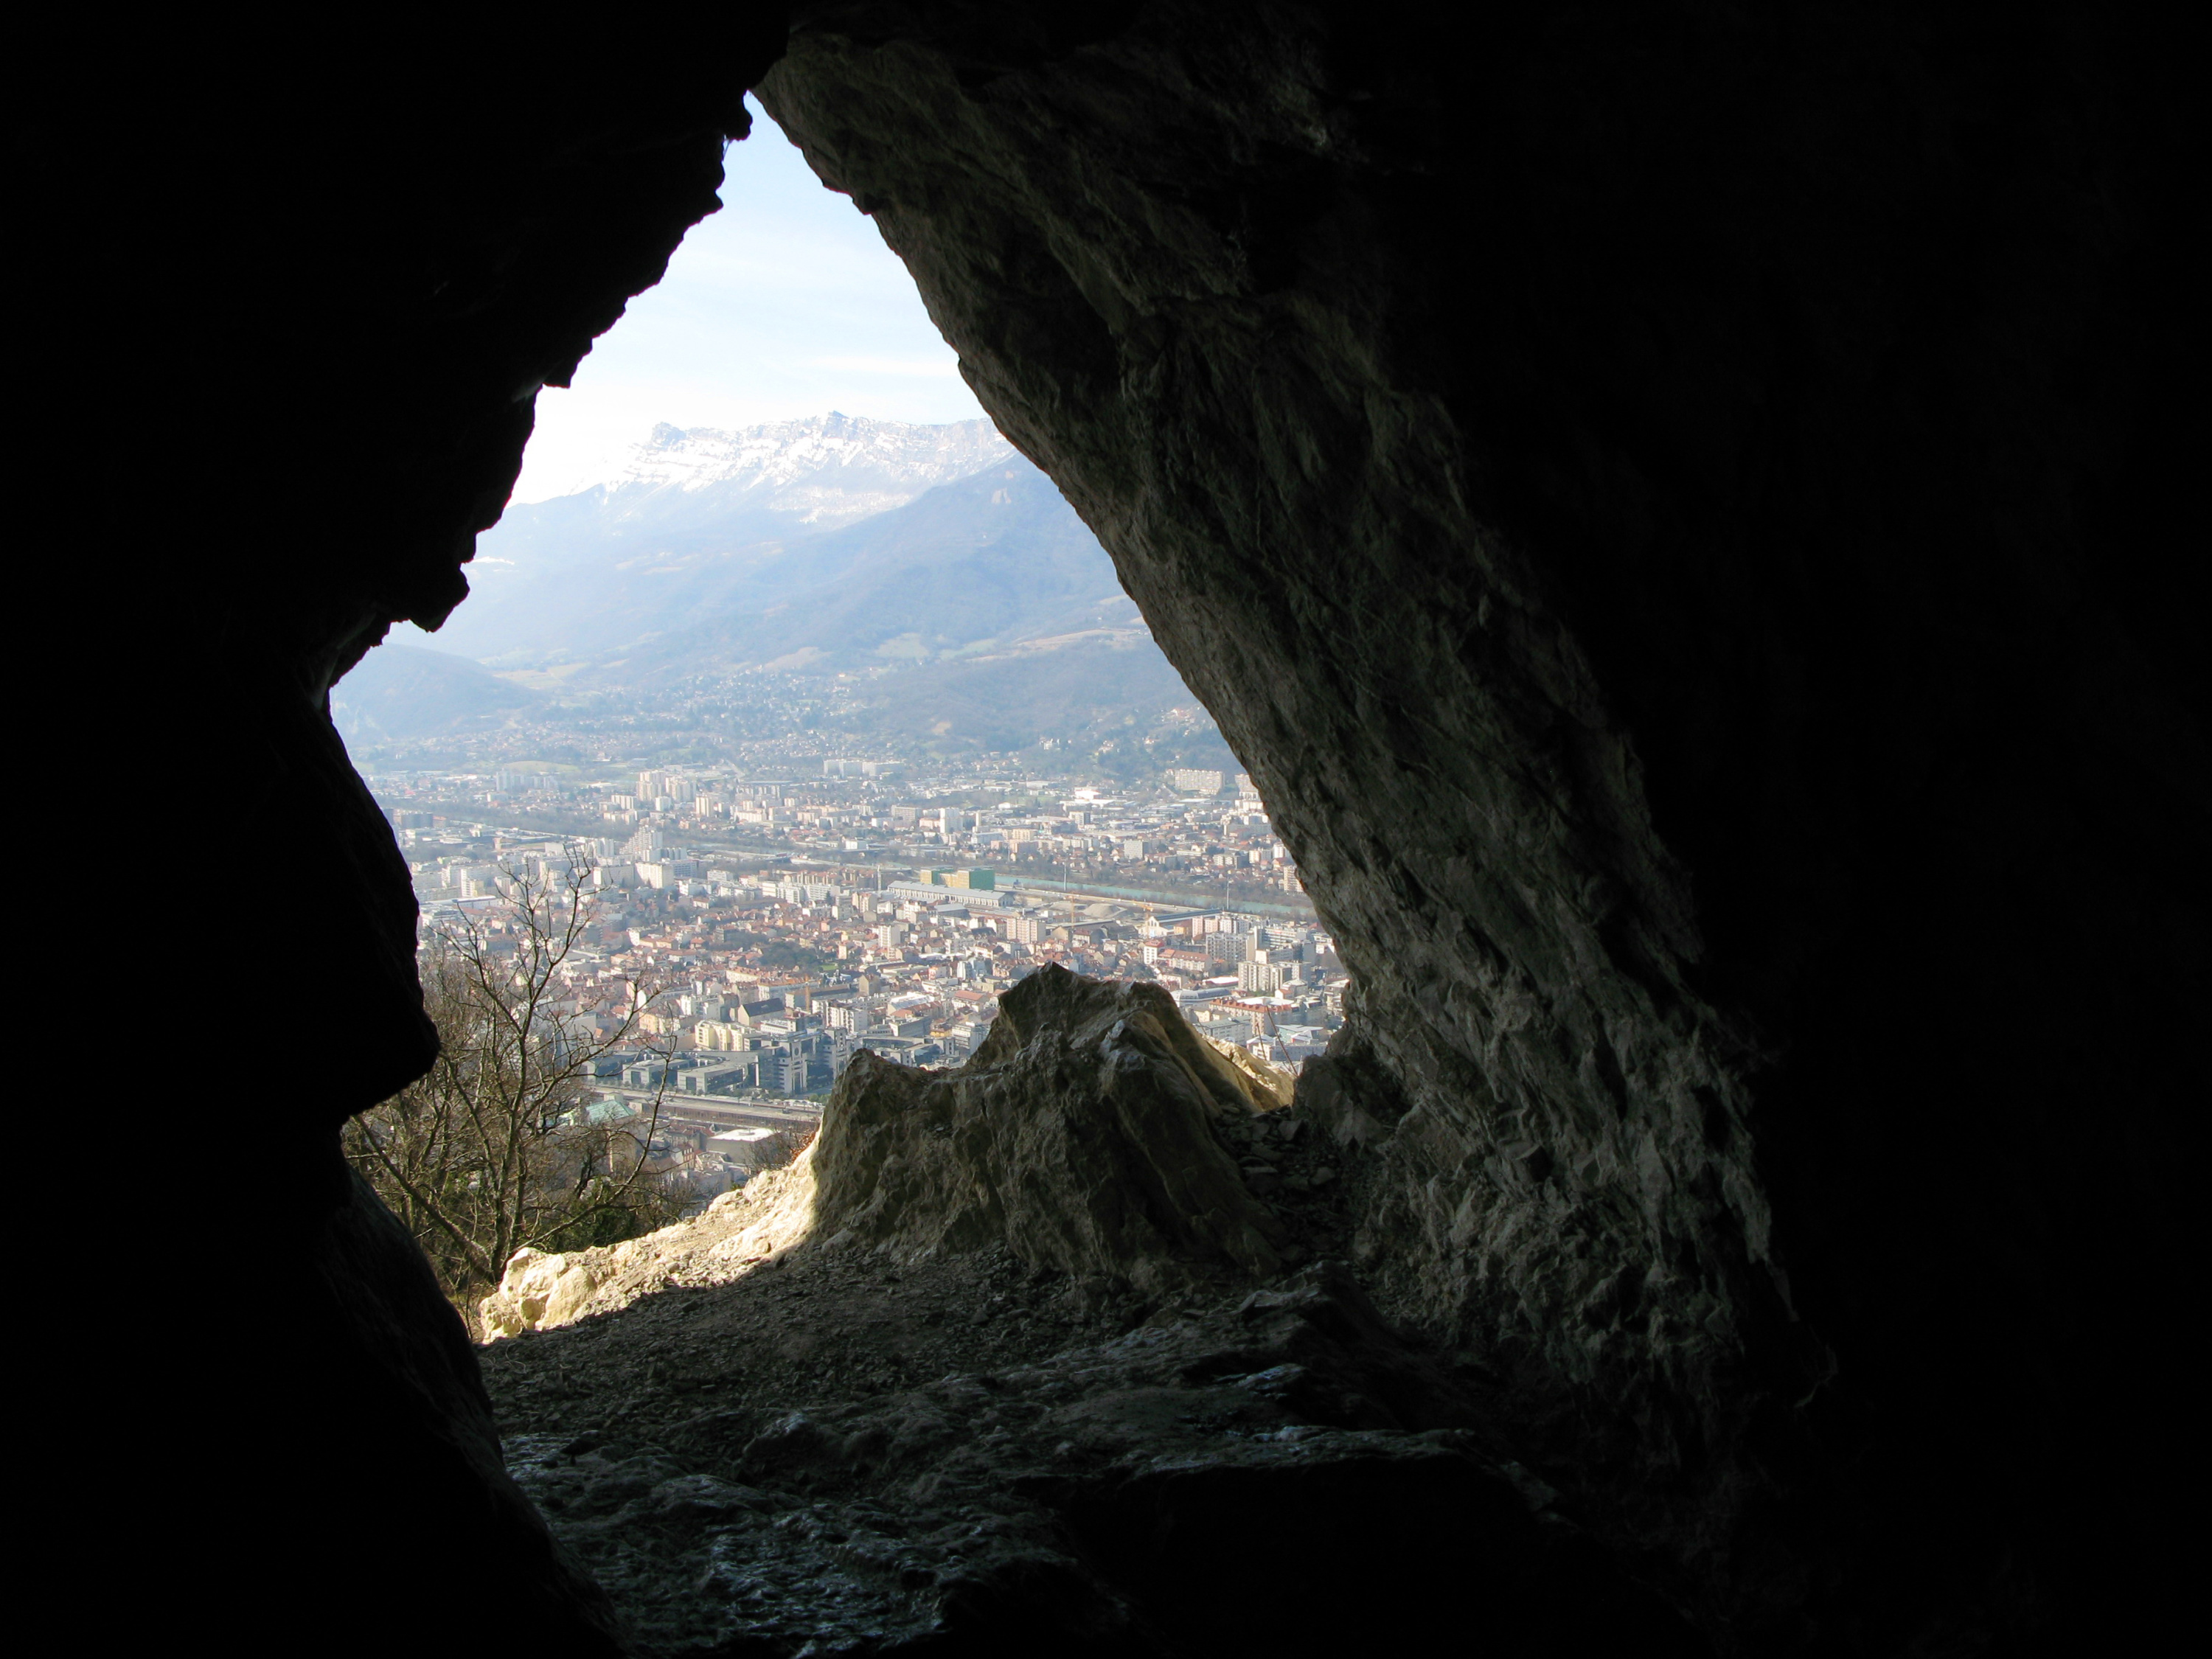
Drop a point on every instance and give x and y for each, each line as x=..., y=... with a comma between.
x=785, y=303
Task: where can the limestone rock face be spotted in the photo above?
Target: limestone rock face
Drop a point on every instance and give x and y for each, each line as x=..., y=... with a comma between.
x=756, y=1223
x=1680, y=665
x=1242, y=1473
x=1080, y=1136
x=1086, y=1136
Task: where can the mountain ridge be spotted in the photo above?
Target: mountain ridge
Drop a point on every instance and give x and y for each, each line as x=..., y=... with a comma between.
x=976, y=611
x=991, y=559
x=778, y=456
x=552, y=576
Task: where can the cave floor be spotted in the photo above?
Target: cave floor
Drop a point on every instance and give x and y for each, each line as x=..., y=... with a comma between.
x=713, y=1365
x=842, y=1454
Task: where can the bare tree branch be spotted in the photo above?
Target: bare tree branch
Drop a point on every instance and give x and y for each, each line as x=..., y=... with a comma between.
x=497, y=1147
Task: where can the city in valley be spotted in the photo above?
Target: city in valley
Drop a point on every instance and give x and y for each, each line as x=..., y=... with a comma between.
x=841, y=726
x=775, y=926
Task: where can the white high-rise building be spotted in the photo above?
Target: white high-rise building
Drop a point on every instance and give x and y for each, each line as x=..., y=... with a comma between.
x=1261, y=978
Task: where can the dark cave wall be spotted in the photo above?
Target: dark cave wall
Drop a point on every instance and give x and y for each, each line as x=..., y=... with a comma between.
x=295, y=299
x=1665, y=504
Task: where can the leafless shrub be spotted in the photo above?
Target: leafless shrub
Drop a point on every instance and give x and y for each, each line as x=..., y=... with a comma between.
x=501, y=1146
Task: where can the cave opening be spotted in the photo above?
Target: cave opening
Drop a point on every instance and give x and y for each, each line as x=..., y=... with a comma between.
x=1695, y=620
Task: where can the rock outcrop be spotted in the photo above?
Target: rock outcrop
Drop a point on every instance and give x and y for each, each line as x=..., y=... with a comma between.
x=1083, y=1135
x=1095, y=1133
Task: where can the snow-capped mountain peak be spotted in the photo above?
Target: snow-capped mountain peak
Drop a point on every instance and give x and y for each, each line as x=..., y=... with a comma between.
x=820, y=472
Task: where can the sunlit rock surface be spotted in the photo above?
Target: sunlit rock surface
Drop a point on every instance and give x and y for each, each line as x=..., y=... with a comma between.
x=740, y=1229
x=1086, y=1136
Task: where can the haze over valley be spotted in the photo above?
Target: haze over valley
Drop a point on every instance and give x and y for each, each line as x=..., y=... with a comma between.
x=864, y=580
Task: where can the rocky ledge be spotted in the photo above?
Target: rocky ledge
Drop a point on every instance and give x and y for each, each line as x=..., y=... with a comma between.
x=1050, y=1353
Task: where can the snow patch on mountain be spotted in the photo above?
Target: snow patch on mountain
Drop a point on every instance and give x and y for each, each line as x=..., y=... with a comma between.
x=822, y=472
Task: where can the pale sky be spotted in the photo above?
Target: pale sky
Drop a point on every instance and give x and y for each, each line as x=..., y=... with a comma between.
x=785, y=303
